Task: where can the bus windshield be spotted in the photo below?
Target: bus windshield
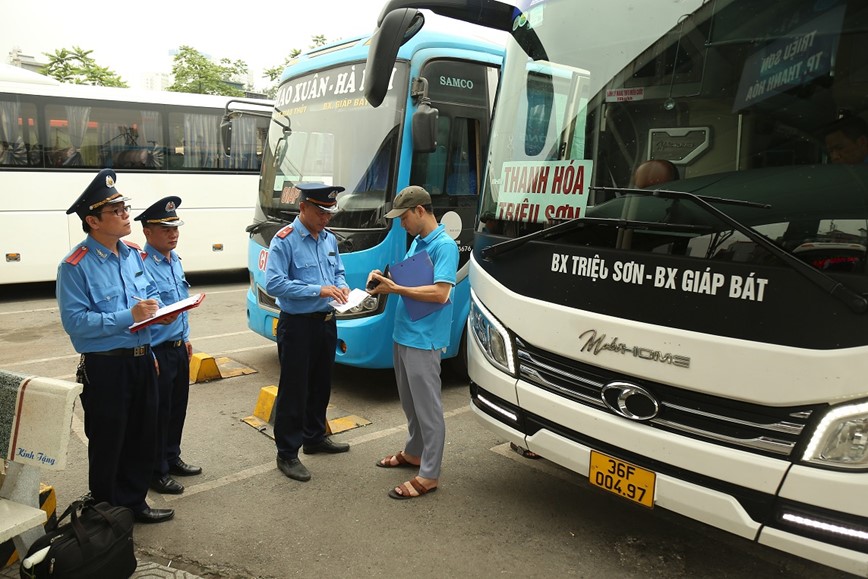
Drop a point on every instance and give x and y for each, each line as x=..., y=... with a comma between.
x=739, y=101
x=319, y=134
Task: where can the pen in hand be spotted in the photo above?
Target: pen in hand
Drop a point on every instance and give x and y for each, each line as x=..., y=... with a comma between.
x=144, y=309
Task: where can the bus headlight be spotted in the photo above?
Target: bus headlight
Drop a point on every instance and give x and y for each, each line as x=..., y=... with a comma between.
x=490, y=335
x=841, y=438
x=370, y=305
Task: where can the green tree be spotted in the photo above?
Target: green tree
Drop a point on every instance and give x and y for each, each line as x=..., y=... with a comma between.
x=273, y=73
x=77, y=67
x=196, y=73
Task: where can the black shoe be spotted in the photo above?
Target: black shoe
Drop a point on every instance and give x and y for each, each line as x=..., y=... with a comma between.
x=293, y=468
x=181, y=468
x=167, y=485
x=327, y=445
x=150, y=515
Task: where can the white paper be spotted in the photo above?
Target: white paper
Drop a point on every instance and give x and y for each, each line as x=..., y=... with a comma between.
x=356, y=297
x=170, y=309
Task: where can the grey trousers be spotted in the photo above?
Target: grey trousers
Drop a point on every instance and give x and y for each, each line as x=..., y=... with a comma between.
x=417, y=373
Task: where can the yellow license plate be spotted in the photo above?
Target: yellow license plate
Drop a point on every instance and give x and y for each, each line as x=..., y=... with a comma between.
x=622, y=478
x=274, y=326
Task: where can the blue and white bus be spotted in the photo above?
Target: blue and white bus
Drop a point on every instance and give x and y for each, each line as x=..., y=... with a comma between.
x=431, y=129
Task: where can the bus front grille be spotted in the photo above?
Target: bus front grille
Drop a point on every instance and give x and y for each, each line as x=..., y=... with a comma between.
x=772, y=431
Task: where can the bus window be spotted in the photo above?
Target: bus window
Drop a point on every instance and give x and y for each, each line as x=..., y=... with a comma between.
x=452, y=167
x=245, y=150
x=91, y=136
x=429, y=169
x=201, y=142
x=463, y=156
x=19, y=134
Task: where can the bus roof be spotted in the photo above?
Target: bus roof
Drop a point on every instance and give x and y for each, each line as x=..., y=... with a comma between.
x=9, y=73
x=437, y=31
x=110, y=94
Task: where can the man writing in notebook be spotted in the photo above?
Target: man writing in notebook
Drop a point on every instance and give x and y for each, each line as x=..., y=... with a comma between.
x=170, y=342
x=102, y=288
x=419, y=343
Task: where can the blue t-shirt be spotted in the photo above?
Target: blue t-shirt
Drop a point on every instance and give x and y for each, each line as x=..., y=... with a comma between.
x=95, y=294
x=168, y=275
x=432, y=331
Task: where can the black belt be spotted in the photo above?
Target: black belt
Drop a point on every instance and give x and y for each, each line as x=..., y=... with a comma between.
x=132, y=352
x=168, y=345
x=322, y=316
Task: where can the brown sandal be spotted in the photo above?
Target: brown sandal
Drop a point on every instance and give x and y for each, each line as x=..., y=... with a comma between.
x=399, y=457
x=413, y=482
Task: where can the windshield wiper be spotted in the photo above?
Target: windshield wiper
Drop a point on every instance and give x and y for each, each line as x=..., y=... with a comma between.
x=561, y=228
x=498, y=249
x=257, y=227
x=857, y=303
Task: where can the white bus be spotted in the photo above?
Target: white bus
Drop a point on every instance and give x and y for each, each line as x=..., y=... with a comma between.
x=54, y=138
x=701, y=346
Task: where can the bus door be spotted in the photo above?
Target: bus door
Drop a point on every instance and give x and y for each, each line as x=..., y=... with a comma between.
x=462, y=92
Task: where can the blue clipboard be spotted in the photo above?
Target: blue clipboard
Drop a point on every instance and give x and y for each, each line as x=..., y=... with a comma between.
x=416, y=270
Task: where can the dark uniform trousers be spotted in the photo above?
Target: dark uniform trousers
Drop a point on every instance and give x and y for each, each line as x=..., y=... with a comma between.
x=119, y=398
x=306, y=348
x=174, y=392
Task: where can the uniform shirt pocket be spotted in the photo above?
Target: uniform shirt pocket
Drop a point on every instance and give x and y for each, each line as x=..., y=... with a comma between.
x=168, y=294
x=105, y=298
x=308, y=272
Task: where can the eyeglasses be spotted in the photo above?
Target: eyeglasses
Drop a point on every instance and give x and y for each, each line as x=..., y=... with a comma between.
x=119, y=211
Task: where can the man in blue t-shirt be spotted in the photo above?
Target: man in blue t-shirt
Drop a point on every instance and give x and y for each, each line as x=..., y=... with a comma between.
x=419, y=343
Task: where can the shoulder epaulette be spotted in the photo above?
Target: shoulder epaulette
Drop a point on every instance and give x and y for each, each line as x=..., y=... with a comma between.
x=77, y=255
x=284, y=232
x=132, y=245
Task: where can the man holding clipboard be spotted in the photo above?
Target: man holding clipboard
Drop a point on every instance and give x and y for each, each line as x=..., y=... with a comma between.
x=423, y=320
x=102, y=288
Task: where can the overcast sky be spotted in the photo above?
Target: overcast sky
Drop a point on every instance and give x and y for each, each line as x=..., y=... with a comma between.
x=135, y=39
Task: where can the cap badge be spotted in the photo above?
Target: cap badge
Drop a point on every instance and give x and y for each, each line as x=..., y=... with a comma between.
x=333, y=194
x=109, y=182
x=170, y=206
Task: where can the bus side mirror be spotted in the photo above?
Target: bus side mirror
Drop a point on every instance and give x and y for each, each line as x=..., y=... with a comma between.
x=397, y=27
x=425, y=128
x=226, y=133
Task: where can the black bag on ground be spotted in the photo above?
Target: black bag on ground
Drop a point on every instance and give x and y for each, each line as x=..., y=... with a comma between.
x=96, y=542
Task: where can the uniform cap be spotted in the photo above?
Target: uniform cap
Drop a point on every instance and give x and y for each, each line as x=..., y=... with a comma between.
x=162, y=213
x=409, y=198
x=323, y=196
x=101, y=191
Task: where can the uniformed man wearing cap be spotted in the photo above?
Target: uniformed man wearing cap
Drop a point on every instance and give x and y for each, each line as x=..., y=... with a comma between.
x=170, y=342
x=419, y=343
x=305, y=273
x=102, y=289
